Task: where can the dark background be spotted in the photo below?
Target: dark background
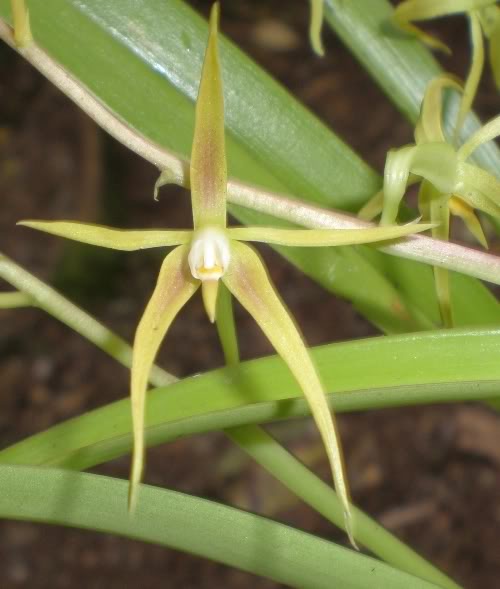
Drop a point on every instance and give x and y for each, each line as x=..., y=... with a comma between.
x=431, y=475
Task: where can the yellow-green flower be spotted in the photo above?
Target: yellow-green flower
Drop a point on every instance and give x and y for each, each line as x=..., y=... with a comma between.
x=449, y=183
x=212, y=252
x=484, y=18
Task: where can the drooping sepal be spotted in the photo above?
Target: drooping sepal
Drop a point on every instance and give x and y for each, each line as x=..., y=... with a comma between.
x=174, y=288
x=248, y=281
x=208, y=173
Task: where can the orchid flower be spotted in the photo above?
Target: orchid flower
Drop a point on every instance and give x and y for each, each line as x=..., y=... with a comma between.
x=449, y=184
x=212, y=252
x=484, y=18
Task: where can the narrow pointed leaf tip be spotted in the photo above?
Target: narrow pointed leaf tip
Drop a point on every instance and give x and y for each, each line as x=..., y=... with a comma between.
x=208, y=173
x=248, y=281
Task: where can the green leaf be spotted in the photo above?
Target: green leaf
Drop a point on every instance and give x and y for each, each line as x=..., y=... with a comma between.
x=440, y=366
x=198, y=526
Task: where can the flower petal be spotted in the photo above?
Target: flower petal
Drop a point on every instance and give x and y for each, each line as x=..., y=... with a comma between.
x=315, y=25
x=484, y=134
x=478, y=188
x=429, y=125
x=248, y=281
x=324, y=237
x=174, y=288
x=475, y=71
x=436, y=162
x=417, y=10
x=118, y=239
x=373, y=207
x=208, y=173
x=460, y=208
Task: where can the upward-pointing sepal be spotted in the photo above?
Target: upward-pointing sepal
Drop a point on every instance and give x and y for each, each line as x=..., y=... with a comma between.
x=208, y=173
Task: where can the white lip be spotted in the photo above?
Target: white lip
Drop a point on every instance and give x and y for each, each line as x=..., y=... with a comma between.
x=209, y=255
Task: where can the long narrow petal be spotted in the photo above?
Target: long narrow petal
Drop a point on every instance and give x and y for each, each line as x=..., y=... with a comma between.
x=315, y=25
x=174, y=288
x=429, y=126
x=208, y=157
x=417, y=10
x=479, y=188
x=460, y=208
x=475, y=72
x=324, y=237
x=486, y=133
x=248, y=281
x=373, y=207
x=117, y=239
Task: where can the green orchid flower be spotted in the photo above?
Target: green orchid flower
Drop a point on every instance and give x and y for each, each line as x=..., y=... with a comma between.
x=484, y=19
x=213, y=252
x=449, y=185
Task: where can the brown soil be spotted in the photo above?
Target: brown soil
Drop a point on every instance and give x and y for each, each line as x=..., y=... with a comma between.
x=431, y=475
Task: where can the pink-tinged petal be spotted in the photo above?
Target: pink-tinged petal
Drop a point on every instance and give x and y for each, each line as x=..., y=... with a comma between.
x=174, y=288
x=248, y=281
x=118, y=239
x=208, y=172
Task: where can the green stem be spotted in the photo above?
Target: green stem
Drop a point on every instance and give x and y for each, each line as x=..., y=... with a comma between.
x=53, y=303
